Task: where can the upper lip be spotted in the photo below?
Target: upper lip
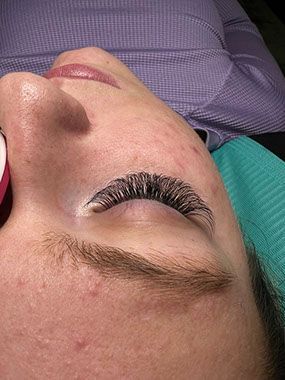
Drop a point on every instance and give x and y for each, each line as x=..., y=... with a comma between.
x=78, y=70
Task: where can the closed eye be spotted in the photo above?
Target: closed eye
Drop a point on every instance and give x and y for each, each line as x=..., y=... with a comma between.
x=167, y=190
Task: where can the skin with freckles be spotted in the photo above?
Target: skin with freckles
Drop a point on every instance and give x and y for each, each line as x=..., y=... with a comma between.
x=67, y=138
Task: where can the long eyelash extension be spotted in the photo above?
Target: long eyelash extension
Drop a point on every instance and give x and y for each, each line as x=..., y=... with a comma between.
x=170, y=191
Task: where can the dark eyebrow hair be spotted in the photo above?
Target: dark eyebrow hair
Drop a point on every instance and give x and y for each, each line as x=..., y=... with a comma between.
x=163, y=275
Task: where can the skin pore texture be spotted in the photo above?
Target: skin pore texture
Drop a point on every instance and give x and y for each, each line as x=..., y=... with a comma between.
x=66, y=139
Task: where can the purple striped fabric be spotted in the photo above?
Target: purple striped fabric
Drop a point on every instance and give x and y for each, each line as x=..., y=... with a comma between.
x=204, y=58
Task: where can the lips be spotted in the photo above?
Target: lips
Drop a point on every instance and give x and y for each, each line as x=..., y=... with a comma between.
x=79, y=71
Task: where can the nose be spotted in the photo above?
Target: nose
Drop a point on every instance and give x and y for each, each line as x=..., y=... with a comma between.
x=40, y=123
x=35, y=115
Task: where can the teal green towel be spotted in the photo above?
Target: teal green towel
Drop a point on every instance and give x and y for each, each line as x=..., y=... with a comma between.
x=255, y=180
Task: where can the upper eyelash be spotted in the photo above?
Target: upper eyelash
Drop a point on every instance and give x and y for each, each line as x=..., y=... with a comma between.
x=170, y=191
x=127, y=190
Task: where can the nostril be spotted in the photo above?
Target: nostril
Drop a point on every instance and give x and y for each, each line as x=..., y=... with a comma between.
x=6, y=205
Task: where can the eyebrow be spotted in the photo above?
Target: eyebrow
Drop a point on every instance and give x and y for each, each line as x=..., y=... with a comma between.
x=166, y=276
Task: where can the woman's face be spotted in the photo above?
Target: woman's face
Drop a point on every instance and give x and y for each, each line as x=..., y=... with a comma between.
x=67, y=139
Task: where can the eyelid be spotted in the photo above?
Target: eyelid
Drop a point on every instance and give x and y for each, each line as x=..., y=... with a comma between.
x=144, y=210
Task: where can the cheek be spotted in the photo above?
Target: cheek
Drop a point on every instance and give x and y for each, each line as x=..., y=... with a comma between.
x=195, y=163
x=214, y=189
x=196, y=151
x=185, y=155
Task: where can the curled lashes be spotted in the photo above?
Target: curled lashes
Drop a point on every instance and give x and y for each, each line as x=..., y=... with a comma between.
x=168, y=190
